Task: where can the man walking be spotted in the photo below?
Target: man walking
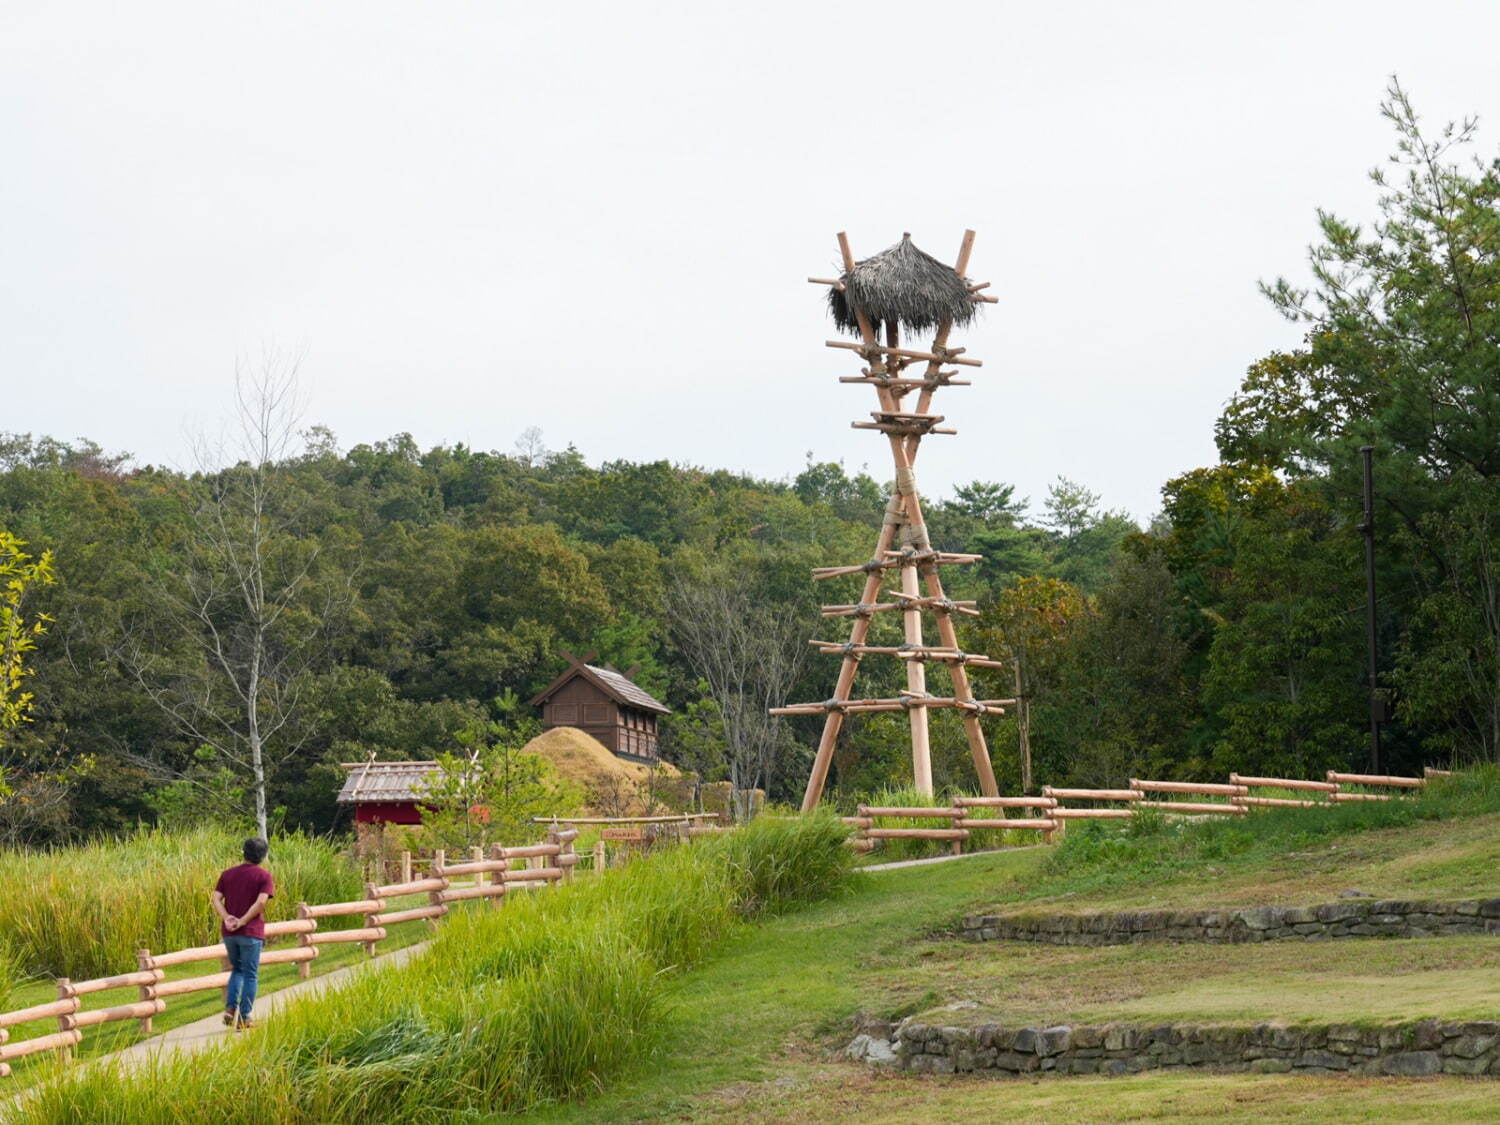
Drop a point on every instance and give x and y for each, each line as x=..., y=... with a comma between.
x=239, y=899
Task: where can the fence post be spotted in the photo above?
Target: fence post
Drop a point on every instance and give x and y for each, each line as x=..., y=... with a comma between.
x=601, y=858
x=64, y=1020
x=406, y=867
x=148, y=991
x=435, y=898
x=957, y=822
x=304, y=941
x=497, y=852
x=225, y=967
x=565, y=848
x=370, y=918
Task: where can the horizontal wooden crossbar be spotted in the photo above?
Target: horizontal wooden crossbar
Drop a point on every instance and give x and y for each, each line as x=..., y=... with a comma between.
x=1375, y=779
x=335, y=909
x=1274, y=803
x=105, y=984
x=1025, y=823
x=874, y=351
x=913, y=811
x=941, y=379
x=1205, y=789
x=1284, y=783
x=936, y=653
x=937, y=605
x=902, y=703
x=1091, y=794
x=903, y=429
x=895, y=559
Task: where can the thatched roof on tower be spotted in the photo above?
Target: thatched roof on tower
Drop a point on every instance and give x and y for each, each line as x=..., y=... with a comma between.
x=904, y=285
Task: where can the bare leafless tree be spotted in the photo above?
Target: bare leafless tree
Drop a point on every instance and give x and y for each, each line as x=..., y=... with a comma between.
x=751, y=653
x=243, y=619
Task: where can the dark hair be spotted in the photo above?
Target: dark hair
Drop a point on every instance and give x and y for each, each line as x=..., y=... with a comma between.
x=255, y=849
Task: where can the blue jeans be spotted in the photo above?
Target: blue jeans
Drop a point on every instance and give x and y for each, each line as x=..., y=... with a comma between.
x=244, y=973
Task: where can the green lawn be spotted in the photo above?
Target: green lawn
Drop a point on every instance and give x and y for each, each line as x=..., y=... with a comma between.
x=1429, y=859
x=1357, y=981
x=833, y=1094
x=755, y=1032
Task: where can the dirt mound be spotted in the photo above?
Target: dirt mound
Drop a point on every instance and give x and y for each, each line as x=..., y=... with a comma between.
x=612, y=786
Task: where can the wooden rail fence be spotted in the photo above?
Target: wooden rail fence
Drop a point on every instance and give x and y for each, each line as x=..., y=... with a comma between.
x=1051, y=815
x=492, y=878
x=965, y=815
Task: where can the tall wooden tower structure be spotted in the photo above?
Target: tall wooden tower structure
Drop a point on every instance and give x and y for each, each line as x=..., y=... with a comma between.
x=903, y=289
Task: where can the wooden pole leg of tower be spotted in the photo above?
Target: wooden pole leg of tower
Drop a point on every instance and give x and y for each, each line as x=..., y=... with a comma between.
x=833, y=722
x=912, y=506
x=978, y=750
x=916, y=681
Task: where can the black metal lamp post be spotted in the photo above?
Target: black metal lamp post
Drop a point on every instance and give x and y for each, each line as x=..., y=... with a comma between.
x=1377, y=700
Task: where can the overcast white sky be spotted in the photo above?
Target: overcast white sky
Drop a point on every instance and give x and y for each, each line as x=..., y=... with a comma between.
x=597, y=218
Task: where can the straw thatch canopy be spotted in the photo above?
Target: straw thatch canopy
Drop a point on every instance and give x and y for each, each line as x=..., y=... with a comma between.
x=905, y=286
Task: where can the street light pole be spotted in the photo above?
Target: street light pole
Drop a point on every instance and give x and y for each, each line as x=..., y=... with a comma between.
x=1377, y=710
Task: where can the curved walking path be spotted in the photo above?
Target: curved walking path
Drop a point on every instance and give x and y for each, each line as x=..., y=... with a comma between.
x=199, y=1034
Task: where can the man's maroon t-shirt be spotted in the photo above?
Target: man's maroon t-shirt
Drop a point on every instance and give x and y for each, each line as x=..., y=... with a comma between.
x=241, y=886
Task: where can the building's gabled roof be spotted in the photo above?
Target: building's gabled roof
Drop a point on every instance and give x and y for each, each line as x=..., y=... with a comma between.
x=385, y=781
x=618, y=686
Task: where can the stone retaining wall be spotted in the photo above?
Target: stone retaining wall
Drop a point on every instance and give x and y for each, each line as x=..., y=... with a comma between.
x=1429, y=1047
x=1347, y=918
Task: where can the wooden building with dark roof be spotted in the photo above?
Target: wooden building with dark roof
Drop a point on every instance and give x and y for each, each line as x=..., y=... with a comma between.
x=605, y=704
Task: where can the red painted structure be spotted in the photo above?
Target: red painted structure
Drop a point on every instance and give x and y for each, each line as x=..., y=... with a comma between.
x=386, y=792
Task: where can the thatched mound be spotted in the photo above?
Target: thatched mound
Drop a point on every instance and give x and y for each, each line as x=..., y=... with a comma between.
x=905, y=286
x=605, y=779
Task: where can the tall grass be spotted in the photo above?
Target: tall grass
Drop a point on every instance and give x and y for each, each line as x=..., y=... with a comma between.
x=12, y=973
x=83, y=911
x=1152, y=845
x=545, y=999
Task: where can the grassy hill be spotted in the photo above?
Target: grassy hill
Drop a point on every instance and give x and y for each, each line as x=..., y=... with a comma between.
x=756, y=1033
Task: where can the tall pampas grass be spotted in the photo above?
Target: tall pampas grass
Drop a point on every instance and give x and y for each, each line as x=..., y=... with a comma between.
x=83, y=911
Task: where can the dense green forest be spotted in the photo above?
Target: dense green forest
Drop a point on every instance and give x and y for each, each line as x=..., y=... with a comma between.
x=385, y=598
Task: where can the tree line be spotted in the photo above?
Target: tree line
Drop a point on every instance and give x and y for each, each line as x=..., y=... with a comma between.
x=221, y=638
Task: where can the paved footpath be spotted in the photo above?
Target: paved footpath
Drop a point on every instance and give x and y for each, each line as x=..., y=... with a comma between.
x=195, y=1036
